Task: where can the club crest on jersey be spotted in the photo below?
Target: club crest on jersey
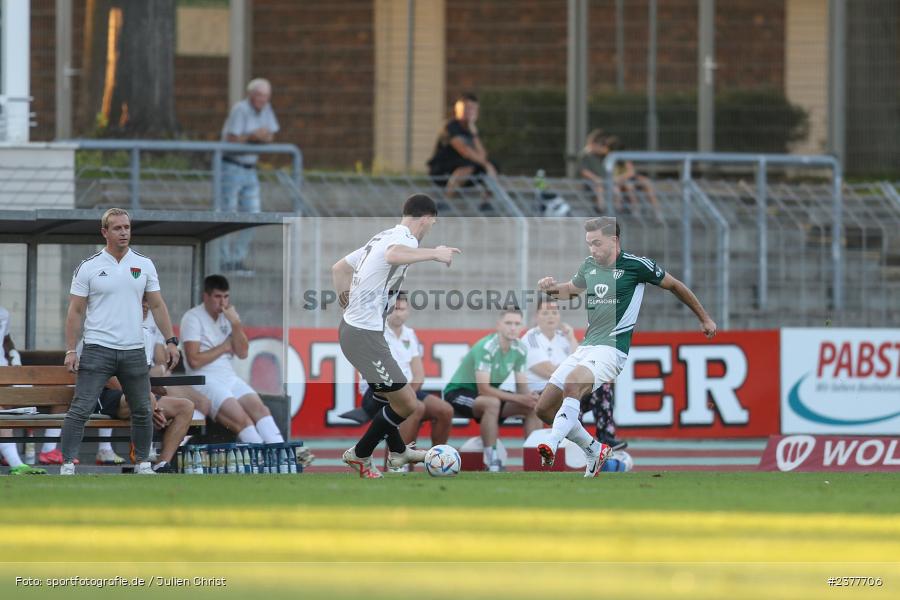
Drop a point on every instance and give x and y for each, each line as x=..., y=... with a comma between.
x=406, y=344
x=600, y=290
x=617, y=273
x=135, y=272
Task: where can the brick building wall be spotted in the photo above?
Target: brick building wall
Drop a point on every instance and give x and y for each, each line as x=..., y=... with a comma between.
x=320, y=59
x=497, y=43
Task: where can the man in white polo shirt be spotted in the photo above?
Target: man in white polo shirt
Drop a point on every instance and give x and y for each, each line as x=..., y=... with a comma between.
x=105, y=298
x=213, y=334
x=549, y=343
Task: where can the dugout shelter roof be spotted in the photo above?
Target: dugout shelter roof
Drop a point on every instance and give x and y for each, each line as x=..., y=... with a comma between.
x=149, y=227
x=166, y=227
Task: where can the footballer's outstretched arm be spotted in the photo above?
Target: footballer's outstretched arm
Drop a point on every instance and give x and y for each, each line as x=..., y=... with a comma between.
x=341, y=278
x=398, y=254
x=560, y=291
x=684, y=293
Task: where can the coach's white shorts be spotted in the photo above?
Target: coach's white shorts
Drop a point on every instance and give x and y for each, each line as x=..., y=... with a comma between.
x=220, y=388
x=605, y=362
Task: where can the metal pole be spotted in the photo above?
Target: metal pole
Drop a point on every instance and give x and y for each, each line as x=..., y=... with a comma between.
x=297, y=173
x=652, y=117
x=31, y=270
x=285, y=301
x=762, y=233
x=724, y=270
x=198, y=267
x=705, y=80
x=217, y=180
x=837, y=228
x=135, y=178
x=576, y=83
x=64, y=71
x=239, y=55
x=410, y=75
x=620, y=46
x=837, y=72
x=686, y=241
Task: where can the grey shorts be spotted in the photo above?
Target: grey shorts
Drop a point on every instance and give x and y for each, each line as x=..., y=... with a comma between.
x=369, y=352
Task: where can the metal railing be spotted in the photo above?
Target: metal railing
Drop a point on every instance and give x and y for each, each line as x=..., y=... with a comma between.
x=135, y=148
x=761, y=162
x=760, y=250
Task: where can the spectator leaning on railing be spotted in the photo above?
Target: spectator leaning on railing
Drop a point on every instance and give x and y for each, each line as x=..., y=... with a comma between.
x=251, y=121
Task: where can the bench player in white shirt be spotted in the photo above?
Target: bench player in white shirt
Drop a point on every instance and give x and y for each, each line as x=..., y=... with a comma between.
x=367, y=281
x=9, y=356
x=213, y=334
x=549, y=343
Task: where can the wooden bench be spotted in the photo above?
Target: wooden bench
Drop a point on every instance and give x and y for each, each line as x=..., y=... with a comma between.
x=55, y=386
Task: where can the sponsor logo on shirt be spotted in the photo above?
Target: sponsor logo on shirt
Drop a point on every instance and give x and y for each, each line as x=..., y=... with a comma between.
x=102, y=274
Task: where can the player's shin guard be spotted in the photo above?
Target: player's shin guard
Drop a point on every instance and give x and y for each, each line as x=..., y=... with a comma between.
x=566, y=418
x=580, y=436
x=384, y=425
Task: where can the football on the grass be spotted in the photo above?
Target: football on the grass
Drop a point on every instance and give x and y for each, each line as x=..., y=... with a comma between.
x=442, y=461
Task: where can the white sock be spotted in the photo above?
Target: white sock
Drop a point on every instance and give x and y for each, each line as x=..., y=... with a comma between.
x=565, y=419
x=50, y=446
x=11, y=453
x=488, y=454
x=583, y=439
x=104, y=432
x=198, y=416
x=249, y=435
x=269, y=430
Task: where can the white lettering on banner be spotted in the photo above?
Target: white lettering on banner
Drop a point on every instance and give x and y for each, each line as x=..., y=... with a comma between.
x=890, y=457
x=838, y=452
x=842, y=381
x=296, y=373
x=448, y=356
x=811, y=453
x=878, y=445
x=793, y=450
x=721, y=390
x=344, y=379
x=628, y=387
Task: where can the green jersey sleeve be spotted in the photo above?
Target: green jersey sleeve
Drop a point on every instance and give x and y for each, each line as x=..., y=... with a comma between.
x=650, y=272
x=578, y=278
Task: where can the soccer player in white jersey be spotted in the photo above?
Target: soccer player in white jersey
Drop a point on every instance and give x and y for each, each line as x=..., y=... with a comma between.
x=549, y=343
x=404, y=345
x=615, y=282
x=213, y=333
x=367, y=281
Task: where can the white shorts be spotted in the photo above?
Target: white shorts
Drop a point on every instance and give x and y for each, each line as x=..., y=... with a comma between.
x=605, y=362
x=220, y=388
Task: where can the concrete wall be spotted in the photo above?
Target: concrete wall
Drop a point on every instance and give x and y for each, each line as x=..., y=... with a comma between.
x=37, y=176
x=806, y=67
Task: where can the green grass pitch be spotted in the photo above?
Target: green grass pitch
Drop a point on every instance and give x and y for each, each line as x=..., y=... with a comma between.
x=479, y=535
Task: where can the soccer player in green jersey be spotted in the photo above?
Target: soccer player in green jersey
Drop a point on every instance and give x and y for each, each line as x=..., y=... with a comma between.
x=614, y=281
x=474, y=390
